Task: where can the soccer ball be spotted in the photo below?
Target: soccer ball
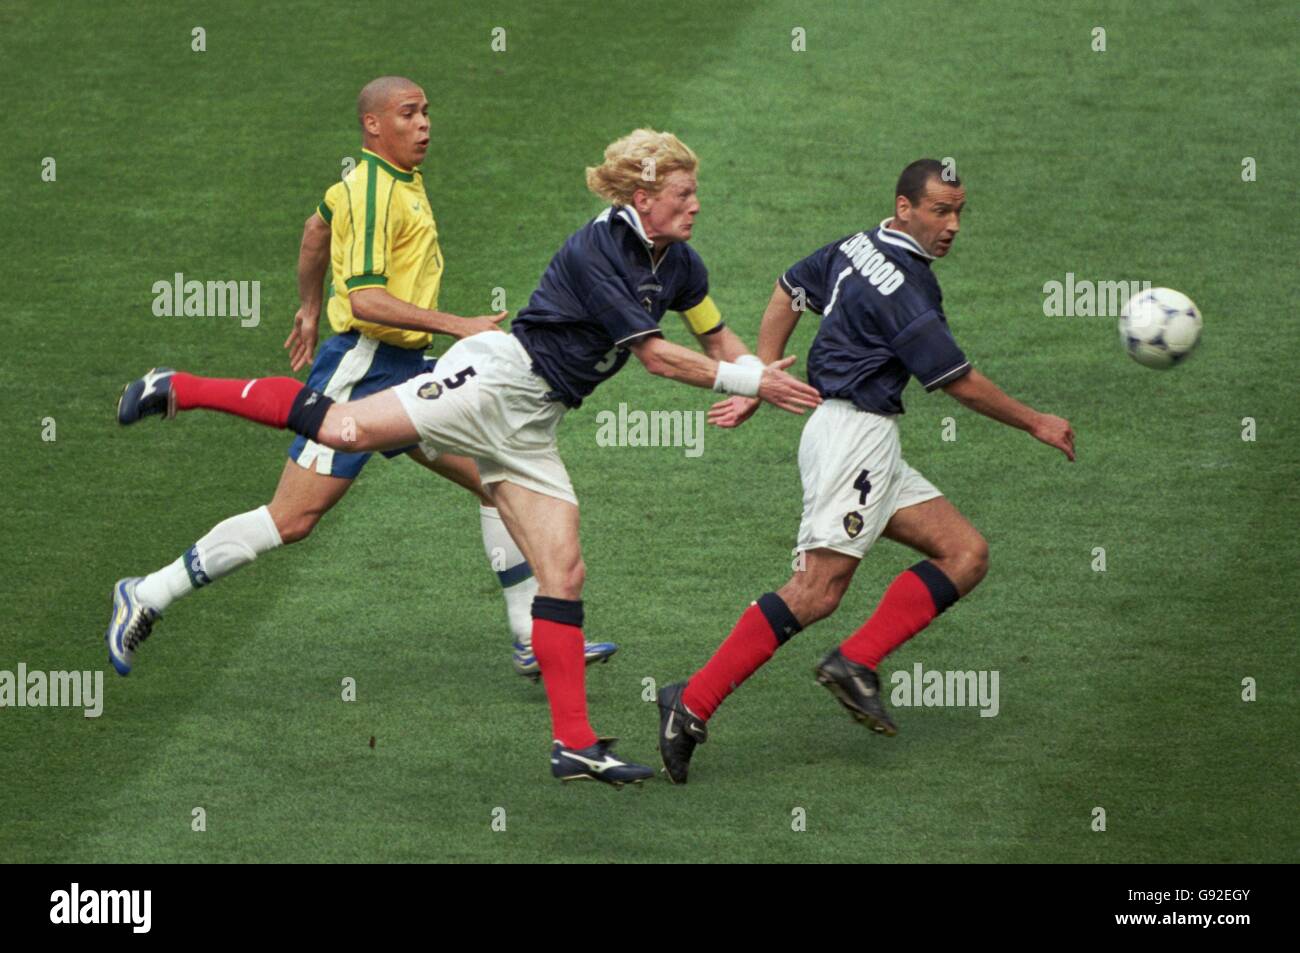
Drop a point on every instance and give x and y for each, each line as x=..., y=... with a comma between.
x=1160, y=327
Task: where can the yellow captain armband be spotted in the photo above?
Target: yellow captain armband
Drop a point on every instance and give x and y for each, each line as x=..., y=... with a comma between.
x=704, y=317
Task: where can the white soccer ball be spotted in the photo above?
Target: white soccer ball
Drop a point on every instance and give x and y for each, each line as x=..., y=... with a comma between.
x=1160, y=327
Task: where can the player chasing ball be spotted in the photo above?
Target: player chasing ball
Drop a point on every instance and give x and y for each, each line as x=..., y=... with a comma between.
x=376, y=232
x=499, y=397
x=882, y=322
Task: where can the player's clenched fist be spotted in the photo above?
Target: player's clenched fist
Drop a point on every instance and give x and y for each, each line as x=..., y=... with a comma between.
x=782, y=390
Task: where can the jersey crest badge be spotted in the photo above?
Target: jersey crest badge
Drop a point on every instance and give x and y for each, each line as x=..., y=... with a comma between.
x=647, y=300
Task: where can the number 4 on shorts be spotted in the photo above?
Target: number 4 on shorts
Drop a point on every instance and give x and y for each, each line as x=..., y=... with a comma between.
x=864, y=485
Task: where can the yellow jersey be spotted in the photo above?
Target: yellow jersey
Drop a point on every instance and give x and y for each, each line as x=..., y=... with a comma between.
x=382, y=235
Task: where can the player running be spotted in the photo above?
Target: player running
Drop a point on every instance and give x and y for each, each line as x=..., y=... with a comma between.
x=377, y=230
x=500, y=397
x=882, y=322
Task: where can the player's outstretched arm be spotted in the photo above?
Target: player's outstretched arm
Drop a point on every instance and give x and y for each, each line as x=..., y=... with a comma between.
x=723, y=344
x=313, y=259
x=378, y=306
x=726, y=345
x=981, y=395
x=779, y=320
x=751, y=379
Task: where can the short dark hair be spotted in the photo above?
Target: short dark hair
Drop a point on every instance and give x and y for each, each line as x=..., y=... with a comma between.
x=918, y=174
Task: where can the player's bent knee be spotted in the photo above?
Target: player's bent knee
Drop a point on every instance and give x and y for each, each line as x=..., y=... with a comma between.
x=975, y=560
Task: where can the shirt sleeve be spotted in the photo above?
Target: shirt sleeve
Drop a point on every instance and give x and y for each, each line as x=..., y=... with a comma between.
x=368, y=230
x=696, y=286
x=807, y=278
x=693, y=302
x=609, y=300
x=331, y=200
x=928, y=351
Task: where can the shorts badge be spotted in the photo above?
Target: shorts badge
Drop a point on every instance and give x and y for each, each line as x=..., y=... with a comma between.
x=853, y=523
x=430, y=391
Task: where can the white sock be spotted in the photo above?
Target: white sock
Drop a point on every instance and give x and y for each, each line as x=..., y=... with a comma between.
x=227, y=546
x=516, y=576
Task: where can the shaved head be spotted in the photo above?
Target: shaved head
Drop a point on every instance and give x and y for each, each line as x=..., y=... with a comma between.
x=394, y=117
x=378, y=93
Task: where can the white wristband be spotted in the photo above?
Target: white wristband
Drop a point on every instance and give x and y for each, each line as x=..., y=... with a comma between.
x=738, y=378
x=750, y=360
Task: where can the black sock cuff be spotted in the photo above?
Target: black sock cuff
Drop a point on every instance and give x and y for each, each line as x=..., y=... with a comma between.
x=308, y=413
x=779, y=617
x=564, y=611
x=942, y=591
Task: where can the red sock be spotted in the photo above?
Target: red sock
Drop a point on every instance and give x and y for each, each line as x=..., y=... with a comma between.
x=751, y=643
x=263, y=400
x=559, y=649
x=912, y=600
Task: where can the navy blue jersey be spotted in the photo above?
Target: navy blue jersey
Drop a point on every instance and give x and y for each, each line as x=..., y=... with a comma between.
x=600, y=293
x=882, y=320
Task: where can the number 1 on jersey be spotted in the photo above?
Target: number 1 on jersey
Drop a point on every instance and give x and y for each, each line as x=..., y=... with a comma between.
x=835, y=293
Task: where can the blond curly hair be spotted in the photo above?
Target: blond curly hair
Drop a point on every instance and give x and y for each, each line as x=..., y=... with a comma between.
x=640, y=160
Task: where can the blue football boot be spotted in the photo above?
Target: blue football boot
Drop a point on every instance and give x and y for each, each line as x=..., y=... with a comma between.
x=146, y=396
x=596, y=764
x=131, y=624
x=525, y=661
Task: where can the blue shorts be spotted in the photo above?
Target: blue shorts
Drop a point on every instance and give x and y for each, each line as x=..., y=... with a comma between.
x=348, y=367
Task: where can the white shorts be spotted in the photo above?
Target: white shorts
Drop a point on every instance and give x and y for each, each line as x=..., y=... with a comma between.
x=854, y=478
x=484, y=401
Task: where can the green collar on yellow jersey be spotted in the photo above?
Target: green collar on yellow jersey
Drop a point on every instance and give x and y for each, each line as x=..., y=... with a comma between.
x=399, y=174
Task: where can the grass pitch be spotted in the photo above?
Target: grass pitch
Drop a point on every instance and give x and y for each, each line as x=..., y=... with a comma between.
x=1119, y=689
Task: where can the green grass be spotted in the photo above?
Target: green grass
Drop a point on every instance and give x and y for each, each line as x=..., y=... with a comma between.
x=1118, y=689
